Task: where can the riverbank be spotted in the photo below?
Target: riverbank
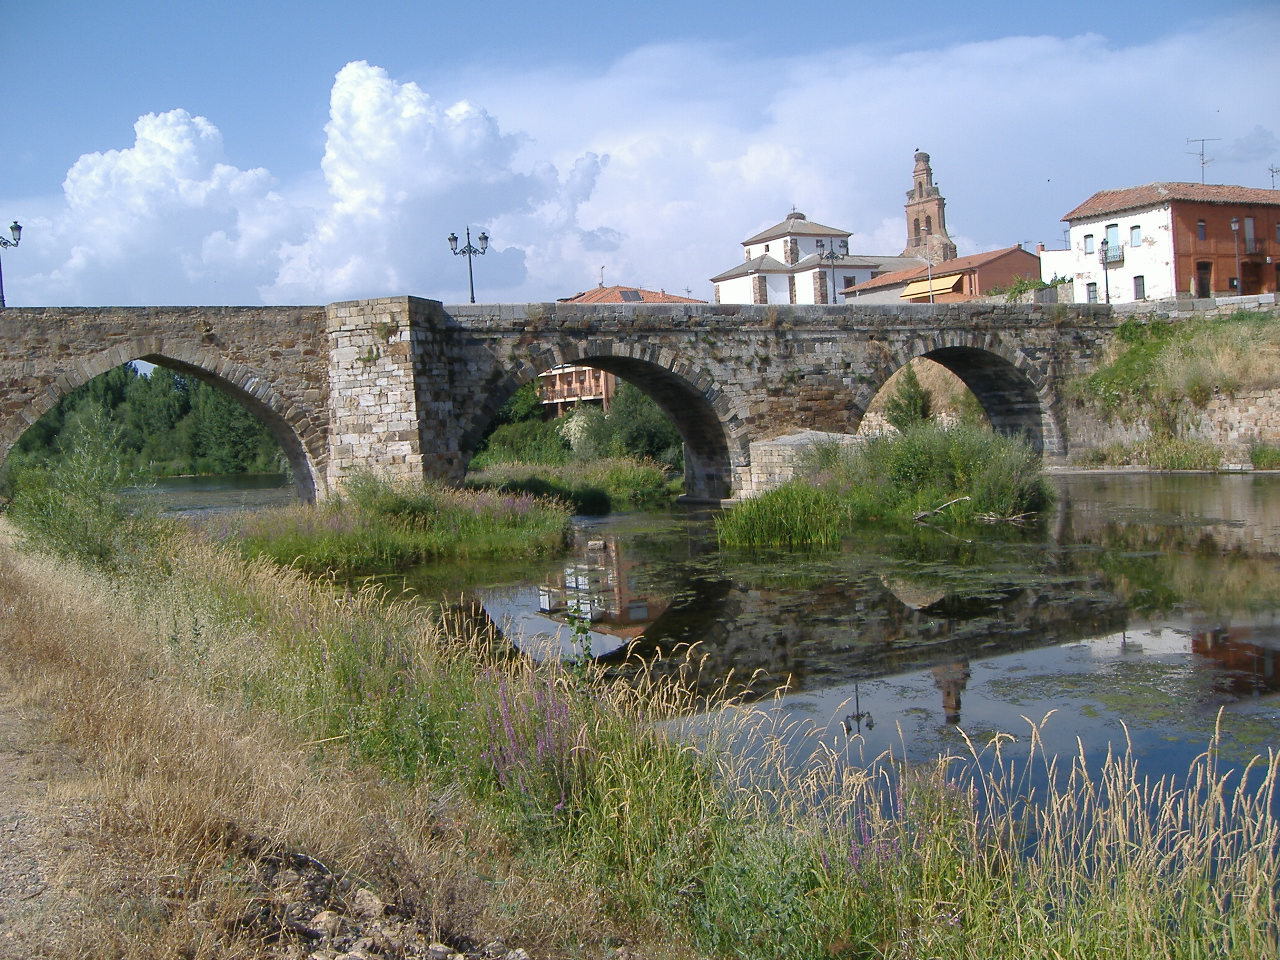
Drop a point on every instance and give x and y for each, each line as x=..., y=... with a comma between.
x=244, y=721
x=146, y=816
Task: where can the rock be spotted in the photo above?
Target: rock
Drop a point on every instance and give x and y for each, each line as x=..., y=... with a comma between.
x=438, y=951
x=366, y=904
x=327, y=922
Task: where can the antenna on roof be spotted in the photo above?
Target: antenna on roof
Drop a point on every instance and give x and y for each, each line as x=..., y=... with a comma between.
x=1203, y=162
x=602, y=276
x=1273, y=170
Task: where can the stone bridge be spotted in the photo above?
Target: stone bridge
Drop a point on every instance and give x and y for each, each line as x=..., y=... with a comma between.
x=406, y=386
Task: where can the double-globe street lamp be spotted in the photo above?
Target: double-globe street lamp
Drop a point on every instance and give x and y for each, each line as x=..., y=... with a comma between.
x=833, y=257
x=15, y=229
x=469, y=251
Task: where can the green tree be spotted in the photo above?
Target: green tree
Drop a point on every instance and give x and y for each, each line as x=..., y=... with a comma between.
x=911, y=403
x=639, y=428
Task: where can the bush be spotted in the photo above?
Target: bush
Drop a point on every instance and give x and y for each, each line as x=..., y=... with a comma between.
x=79, y=509
x=594, y=488
x=895, y=477
x=380, y=526
x=793, y=515
x=1265, y=456
x=528, y=441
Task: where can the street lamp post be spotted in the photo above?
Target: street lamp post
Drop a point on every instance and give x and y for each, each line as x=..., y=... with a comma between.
x=1103, y=247
x=1235, y=240
x=833, y=257
x=469, y=251
x=16, y=230
x=855, y=720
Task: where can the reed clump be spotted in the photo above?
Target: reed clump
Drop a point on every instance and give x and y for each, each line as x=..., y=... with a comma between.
x=378, y=526
x=894, y=478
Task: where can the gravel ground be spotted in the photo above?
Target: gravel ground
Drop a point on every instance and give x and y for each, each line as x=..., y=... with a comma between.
x=43, y=812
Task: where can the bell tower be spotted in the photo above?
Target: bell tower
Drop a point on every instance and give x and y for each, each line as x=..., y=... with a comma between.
x=926, y=216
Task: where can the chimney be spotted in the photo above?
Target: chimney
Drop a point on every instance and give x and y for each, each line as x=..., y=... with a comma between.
x=1039, y=249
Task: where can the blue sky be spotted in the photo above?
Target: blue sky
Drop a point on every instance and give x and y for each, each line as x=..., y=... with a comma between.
x=290, y=152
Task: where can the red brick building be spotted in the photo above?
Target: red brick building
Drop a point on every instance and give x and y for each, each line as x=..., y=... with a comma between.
x=964, y=278
x=563, y=387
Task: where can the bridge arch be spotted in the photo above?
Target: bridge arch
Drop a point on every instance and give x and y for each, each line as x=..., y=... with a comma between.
x=303, y=445
x=1016, y=395
x=714, y=441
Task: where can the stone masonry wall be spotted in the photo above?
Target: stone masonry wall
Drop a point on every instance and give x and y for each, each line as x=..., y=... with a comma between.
x=403, y=386
x=273, y=359
x=1232, y=422
x=373, y=398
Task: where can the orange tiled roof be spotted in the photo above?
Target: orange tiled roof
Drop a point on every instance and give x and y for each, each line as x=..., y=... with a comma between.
x=944, y=269
x=1158, y=194
x=614, y=294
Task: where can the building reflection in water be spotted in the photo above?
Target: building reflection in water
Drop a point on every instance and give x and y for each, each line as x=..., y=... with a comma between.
x=599, y=585
x=951, y=679
x=1247, y=654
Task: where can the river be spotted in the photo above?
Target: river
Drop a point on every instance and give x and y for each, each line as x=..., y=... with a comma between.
x=1143, y=608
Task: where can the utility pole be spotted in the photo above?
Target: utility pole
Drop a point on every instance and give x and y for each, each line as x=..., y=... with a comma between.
x=1203, y=162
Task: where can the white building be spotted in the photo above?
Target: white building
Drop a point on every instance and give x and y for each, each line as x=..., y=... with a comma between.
x=1138, y=256
x=1164, y=240
x=799, y=261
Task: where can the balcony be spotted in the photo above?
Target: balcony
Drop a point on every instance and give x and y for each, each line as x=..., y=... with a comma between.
x=1109, y=254
x=1253, y=247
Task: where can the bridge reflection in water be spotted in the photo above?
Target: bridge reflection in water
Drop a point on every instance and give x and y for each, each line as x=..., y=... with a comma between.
x=1117, y=609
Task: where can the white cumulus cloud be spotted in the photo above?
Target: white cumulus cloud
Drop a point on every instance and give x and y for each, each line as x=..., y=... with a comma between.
x=653, y=168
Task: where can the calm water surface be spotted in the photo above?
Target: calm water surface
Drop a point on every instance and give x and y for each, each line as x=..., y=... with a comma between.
x=1143, y=606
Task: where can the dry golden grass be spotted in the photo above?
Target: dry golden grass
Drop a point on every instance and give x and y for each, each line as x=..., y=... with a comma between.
x=189, y=793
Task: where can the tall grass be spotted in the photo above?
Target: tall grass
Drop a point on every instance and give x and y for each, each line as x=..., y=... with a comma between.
x=894, y=477
x=1160, y=371
x=580, y=812
x=379, y=526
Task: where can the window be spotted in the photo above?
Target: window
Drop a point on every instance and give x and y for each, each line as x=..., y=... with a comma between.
x=1088, y=243
x=1113, y=236
x=1139, y=288
x=1200, y=231
x=1135, y=236
x=1278, y=232
x=1091, y=292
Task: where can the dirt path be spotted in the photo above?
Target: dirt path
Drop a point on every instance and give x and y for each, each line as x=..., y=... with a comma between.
x=44, y=816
